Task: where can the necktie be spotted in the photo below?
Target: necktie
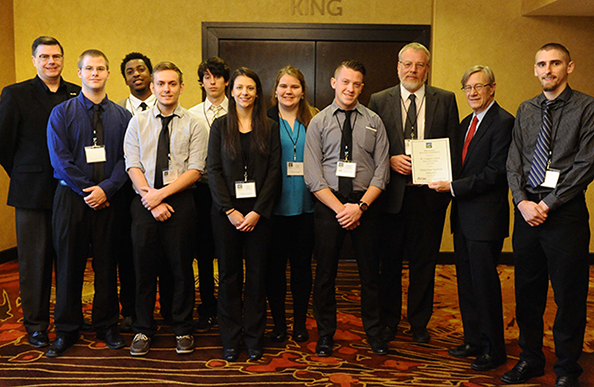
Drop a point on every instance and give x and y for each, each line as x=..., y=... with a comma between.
x=411, y=119
x=469, y=136
x=216, y=110
x=144, y=106
x=345, y=184
x=541, y=151
x=98, y=168
x=162, y=151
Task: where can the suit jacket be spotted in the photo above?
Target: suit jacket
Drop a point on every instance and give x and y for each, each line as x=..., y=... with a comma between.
x=480, y=209
x=24, y=112
x=223, y=172
x=441, y=120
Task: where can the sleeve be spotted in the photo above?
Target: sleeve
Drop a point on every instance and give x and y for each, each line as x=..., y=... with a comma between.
x=381, y=176
x=267, y=195
x=312, y=156
x=61, y=157
x=514, y=162
x=9, y=121
x=132, y=145
x=198, y=146
x=216, y=180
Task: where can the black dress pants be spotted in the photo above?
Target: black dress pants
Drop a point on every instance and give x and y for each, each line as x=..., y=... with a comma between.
x=555, y=250
x=171, y=241
x=76, y=226
x=329, y=236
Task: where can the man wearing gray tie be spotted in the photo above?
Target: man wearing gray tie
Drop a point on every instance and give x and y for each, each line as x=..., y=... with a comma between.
x=549, y=167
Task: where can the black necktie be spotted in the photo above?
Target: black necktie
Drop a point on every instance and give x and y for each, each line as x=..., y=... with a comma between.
x=98, y=168
x=144, y=106
x=162, y=151
x=345, y=184
x=411, y=119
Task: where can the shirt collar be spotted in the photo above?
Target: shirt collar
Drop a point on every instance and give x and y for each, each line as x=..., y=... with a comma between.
x=135, y=102
x=481, y=115
x=358, y=107
x=46, y=88
x=224, y=104
x=405, y=93
x=88, y=104
x=563, y=97
x=179, y=111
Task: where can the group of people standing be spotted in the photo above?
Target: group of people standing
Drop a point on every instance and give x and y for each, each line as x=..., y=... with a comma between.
x=276, y=181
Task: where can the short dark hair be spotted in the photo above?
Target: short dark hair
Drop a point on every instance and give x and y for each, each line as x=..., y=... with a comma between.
x=168, y=66
x=216, y=66
x=555, y=46
x=132, y=56
x=93, y=53
x=45, y=41
x=352, y=64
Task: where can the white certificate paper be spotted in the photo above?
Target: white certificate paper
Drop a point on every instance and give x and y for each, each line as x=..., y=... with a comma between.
x=431, y=160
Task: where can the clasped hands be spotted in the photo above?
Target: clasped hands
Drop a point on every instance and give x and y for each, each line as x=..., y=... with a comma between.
x=349, y=217
x=243, y=223
x=152, y=200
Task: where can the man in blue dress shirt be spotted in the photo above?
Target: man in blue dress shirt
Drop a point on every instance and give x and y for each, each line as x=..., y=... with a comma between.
x=85, y=139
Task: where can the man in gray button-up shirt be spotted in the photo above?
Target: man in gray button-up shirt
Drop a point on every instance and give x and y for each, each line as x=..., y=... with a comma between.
x=340, y=210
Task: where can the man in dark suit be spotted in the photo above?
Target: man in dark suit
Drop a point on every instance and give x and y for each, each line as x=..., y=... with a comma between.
x=480, y=217
x=414, y=215
x=24, y=111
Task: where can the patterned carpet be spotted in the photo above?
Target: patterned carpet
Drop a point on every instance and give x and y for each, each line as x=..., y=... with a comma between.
x=90, y=363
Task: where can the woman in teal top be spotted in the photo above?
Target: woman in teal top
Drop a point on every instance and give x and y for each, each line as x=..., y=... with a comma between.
x=292, y=221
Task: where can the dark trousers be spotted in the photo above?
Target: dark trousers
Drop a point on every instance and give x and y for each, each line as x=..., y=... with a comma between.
x=232, y=247
x=205, y=250
x=170, y=241
x=75, y=227
x=479, y=294
x=329, y=236
x=556, y=249
x=293, y=241
x=124, y=254
x=414, y=234
x=36, y=259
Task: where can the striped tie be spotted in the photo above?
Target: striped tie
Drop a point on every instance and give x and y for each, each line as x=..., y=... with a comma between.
x=216, y=110
x=541, y=152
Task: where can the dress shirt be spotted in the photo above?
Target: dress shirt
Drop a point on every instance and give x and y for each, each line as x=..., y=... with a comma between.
x=421, y=103
x=572, y=147
x=133, y=103
x=188, y=142
x=70, y=130
x=322, y=149
x=295, y=198
x=205, y=114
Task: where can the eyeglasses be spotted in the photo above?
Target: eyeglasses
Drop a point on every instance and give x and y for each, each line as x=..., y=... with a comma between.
x=478, y=87
x=408, y=65
x=45, y=57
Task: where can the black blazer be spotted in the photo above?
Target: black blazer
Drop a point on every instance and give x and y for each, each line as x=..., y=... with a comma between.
x=24, y=112
x=223, y=172
x=441, y=120
x=480, y=209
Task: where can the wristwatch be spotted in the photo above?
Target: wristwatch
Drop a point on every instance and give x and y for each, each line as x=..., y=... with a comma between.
x=363, y=206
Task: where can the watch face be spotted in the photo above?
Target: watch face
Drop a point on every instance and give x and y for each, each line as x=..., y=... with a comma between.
x=363, y=206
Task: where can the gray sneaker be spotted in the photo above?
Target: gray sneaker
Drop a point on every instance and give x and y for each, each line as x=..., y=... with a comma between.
x=140, y=345
x=185, y=344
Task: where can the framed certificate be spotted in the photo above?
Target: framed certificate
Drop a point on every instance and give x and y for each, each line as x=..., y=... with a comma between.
x=431, y=160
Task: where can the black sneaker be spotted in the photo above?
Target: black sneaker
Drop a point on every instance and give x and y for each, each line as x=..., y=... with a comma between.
x=204, y=323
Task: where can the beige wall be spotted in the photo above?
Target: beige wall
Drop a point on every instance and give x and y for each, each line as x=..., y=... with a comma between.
x=465, y=32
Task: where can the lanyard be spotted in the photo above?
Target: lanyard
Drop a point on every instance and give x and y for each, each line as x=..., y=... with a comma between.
x=346, y=148
x=417, y=113
x=286, y=126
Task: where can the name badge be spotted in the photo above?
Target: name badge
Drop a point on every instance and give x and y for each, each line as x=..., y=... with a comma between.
x=551, y=178
x=346, y=168
x=294, y=168
x=407, y=148
x=245, y=189
x=95, y=154
x=169, y=176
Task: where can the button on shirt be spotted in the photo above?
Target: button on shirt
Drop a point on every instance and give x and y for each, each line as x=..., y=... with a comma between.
x=70, y=130
x=188, y=142
x=133, y=103
x=322, y=149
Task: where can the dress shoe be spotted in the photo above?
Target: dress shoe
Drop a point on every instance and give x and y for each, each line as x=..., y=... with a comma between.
x=521, y=373
x=378, y=346
x=485, y=363
x=255, y=354
x=126, y=324
x=38, y=339
x=140, y=345
x=300, y=334
x=230, y=354
x=112, y=338
x=421, y=335
x=278, y=337
x=62, y=344
x=325, y=346
x=204, y=323
x=567, y=381
x=464, y=350
x=388, y=334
